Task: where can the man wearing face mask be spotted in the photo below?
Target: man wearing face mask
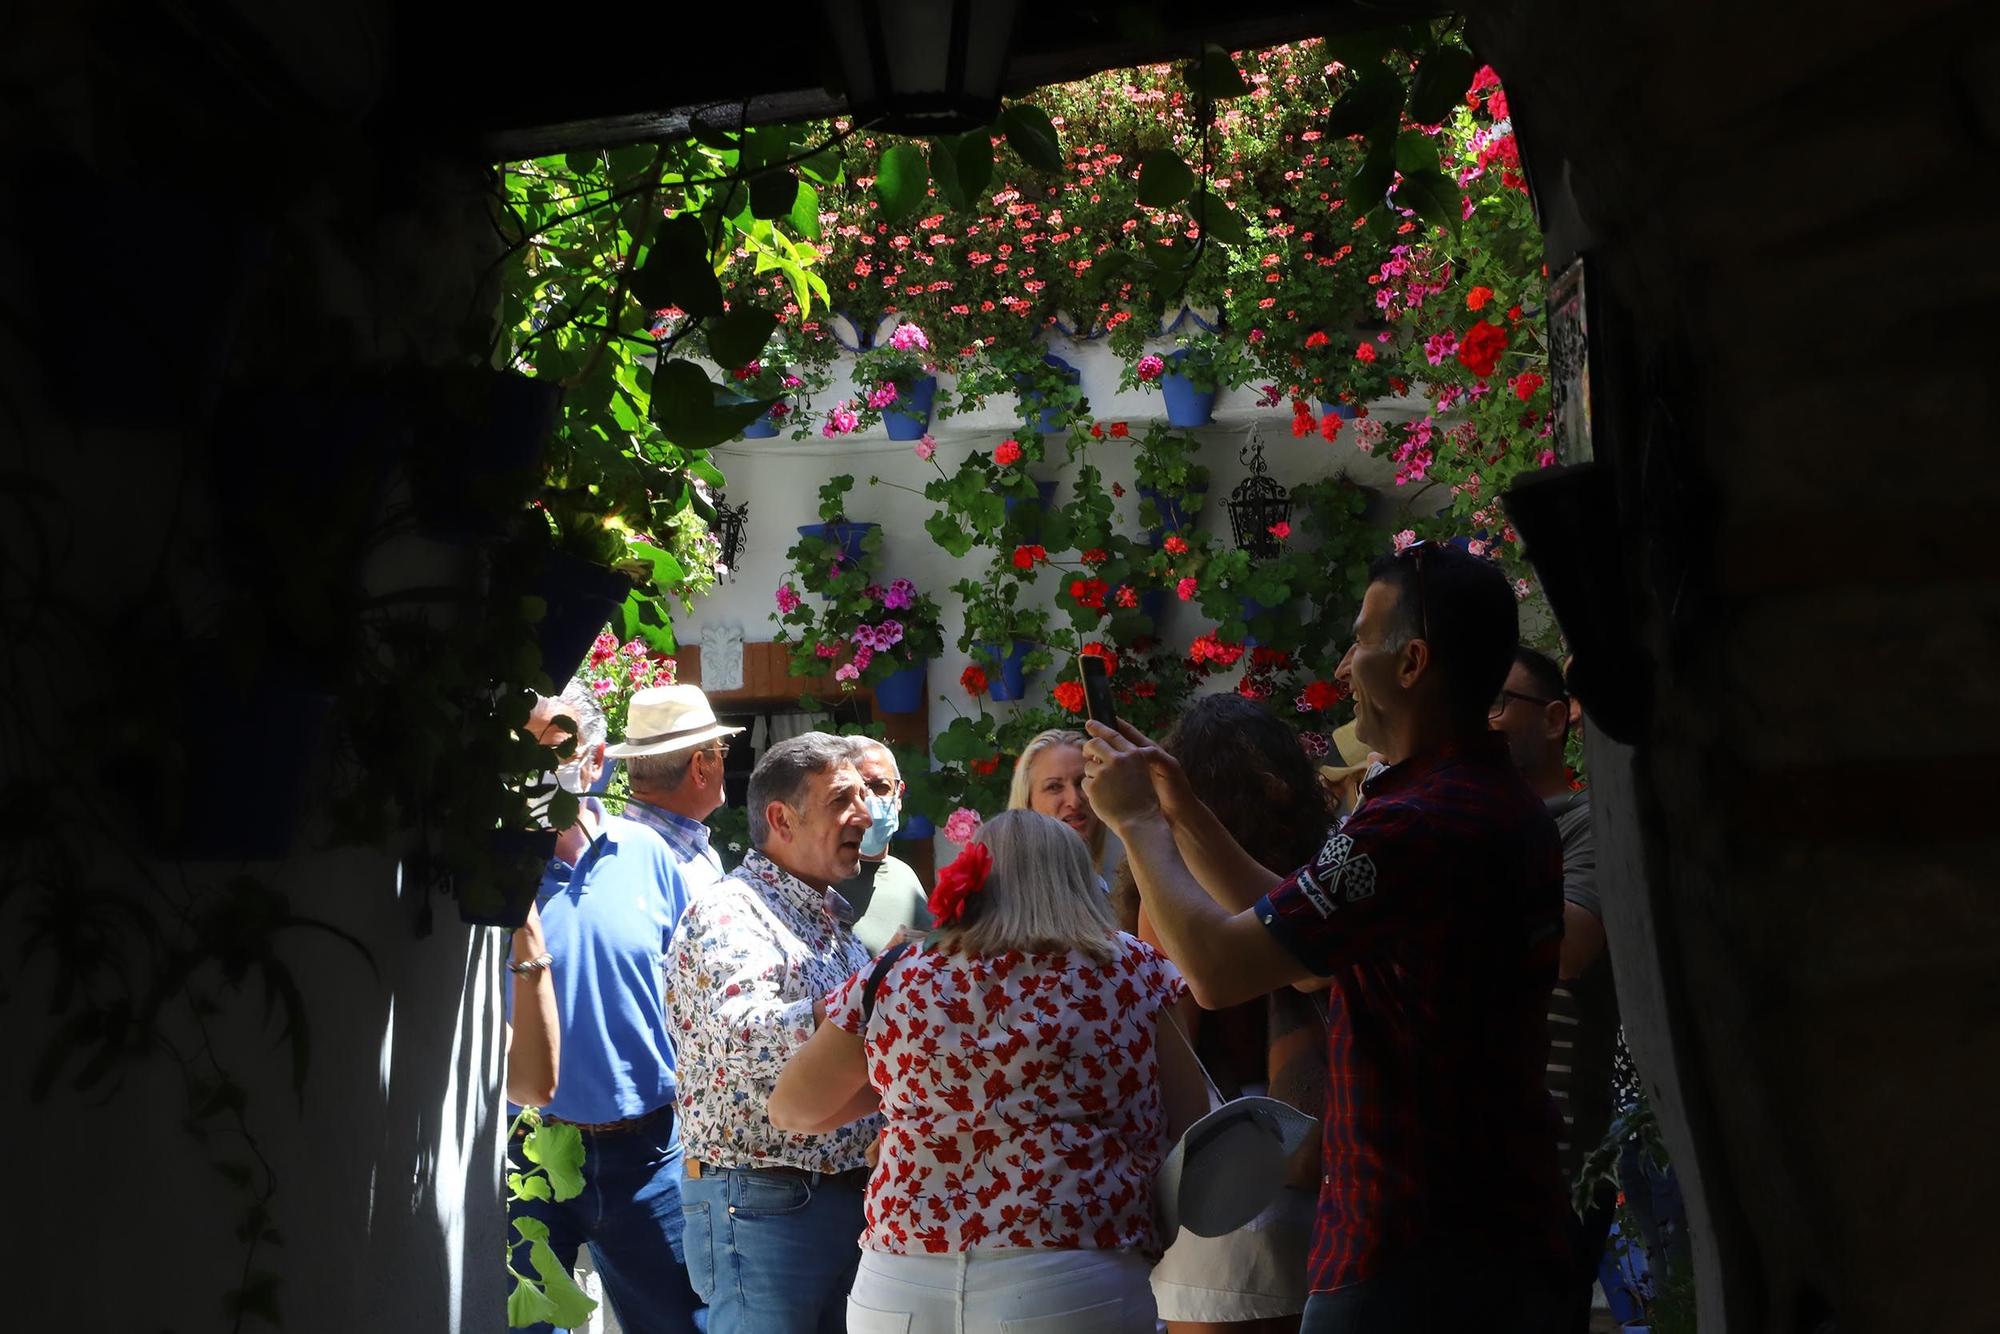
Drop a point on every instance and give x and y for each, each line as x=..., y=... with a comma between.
x=885, y=893
x=609, y=902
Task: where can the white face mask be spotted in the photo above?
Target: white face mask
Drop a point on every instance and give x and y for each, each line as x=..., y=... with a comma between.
x=569, y=776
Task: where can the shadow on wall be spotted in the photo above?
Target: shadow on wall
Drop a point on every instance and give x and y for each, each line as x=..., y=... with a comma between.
x=388, y=1169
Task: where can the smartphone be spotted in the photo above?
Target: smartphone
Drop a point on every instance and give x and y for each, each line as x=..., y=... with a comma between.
x=1097, y=690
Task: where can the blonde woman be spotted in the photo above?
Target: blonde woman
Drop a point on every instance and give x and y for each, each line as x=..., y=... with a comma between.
x=1030, y=1082
x=1048, y=778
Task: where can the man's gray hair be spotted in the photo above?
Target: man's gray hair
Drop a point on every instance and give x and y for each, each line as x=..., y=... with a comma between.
x=860, y=747
x=662, y=772
x=580, y=703
x=786, y=770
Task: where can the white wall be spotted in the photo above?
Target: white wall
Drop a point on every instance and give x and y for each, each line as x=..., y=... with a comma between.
x=780, y=478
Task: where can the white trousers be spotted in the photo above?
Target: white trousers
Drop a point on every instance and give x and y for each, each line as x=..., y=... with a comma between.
x=1002, y=1292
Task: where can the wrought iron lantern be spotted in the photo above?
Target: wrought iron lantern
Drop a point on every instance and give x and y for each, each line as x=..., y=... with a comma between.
x=730, y=521
x=922, y=67
x=1258, y=504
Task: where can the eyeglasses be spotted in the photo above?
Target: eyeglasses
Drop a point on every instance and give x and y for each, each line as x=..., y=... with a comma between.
x=1500, y=702
x=1419, y=552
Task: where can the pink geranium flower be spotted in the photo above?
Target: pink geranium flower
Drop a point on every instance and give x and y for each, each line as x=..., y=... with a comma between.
x=962, y=825
x=788, y=598
x=1150, y=367
x=926, y=447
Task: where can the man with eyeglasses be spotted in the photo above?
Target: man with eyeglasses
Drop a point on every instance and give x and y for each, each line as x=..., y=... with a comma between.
x=888, y=899
x=1532, y=711
x=1435, y=916
x=609, y=903
x=674, y=753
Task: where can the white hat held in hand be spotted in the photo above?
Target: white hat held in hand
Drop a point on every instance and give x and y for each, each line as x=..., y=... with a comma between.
x=1228, y=1167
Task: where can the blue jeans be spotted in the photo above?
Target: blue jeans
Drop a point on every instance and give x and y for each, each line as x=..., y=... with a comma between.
x=772, y=1253
x=1444, y=1293
x=630, y=1214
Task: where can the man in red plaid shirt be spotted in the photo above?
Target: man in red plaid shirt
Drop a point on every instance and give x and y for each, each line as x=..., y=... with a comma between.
x=1434, y=915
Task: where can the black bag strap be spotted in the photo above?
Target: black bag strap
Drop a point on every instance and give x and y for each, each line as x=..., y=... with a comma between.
x=883, y=962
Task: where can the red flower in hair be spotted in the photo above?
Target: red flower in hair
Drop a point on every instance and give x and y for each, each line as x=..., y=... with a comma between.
x=964, y=877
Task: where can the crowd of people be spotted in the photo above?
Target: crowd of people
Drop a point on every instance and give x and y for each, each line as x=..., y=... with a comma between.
x=817, y=1096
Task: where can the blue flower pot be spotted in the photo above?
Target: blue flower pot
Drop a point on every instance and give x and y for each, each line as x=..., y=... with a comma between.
x=1009, y=682
x=1186, y=405
x=1252, y=609
x=1153, y=605
x=911, y=416
x=901, y=691
x=581, y=599
x=847, y=536
x=761, y=429
x=1623, y=1274
x=1045, y=494
x=1345, y=411
x=1174, y=517
x=914, y=828
x=1047, y=423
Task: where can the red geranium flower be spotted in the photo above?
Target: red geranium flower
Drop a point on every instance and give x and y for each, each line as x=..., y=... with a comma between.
x=973, y=679
x=1095, y=556
x=1525, y=385
x=1176, y=545
x=964, y=877
x=1477, y=298
x=985, y=766
x=1026, y=558
x=1317, y=338
x=1089, y=592
x=1007, y=453
x=1366, y=352
x=1119, y=430
x=1069, y=695
x=1479, y=350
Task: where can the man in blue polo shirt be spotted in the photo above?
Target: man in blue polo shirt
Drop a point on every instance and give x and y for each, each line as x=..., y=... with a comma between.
x=609, y=903
x=674, y=752
x=1435, y=914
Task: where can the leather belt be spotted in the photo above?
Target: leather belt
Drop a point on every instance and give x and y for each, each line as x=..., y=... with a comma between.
x=612, y=1127
x=856, y=1177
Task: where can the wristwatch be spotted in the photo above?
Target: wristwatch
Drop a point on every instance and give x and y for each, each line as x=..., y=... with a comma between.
x=531, y=967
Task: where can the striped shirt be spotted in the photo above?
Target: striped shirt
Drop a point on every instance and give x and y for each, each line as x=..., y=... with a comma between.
x=1437, y=911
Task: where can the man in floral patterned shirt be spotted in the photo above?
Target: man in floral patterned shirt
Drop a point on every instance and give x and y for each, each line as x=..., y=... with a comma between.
x=772, y=1218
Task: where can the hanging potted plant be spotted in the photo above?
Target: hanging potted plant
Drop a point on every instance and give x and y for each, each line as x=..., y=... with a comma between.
x=1006, y=641
x=880, y=635
x=1192, y=375
x=1171, y=485
x=897, y=382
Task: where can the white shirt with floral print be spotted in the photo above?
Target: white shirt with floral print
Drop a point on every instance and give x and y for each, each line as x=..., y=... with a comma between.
x=748, y=959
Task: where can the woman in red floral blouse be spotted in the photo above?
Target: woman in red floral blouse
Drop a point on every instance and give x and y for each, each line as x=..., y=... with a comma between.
x=1025, y=1065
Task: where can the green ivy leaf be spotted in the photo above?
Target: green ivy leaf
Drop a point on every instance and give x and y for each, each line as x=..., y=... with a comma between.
x=1367, y=46
x=1444, y=74
x=1217, y=219
x=944, y=170
x=1215, y=74
x=773, y=194
x=973, y=154
x=694, y=412
x=1414, y=153
x=1164, y=179
x=677, y=271
x=1370, y=182
x=1369, y=107
x=738, y=338
x=804, y=217
x=557, y=1148
x=1032, y=136
x=569, y=1304
x=1433, y=196
x=528, y=1305
x=900, y=181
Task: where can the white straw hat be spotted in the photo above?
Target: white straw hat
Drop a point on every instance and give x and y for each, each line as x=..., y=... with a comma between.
x=667, y=718
x=1228, y=1167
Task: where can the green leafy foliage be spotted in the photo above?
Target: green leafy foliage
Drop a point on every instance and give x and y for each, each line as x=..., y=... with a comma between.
x=900, y=181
